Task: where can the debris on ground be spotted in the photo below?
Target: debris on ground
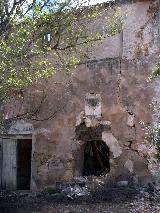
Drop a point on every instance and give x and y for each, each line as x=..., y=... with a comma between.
x=79, y=199
x=76, y=191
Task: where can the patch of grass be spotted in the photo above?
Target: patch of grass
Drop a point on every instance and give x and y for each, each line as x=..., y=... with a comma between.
x=52, y=190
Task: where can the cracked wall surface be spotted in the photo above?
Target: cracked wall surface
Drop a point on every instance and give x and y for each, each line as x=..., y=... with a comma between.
x=118, y=71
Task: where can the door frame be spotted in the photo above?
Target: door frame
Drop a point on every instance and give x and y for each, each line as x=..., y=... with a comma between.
x=16, y=137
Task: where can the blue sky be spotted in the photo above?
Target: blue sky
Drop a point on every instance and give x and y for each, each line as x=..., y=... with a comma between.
x=82, y=2
x=98, y=1
x=92, y=2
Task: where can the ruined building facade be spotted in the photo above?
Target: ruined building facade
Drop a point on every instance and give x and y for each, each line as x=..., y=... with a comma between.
x=97, y=125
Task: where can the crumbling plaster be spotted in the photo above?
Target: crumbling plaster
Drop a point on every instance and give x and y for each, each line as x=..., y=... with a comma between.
x=118, y=71
x=123, y=110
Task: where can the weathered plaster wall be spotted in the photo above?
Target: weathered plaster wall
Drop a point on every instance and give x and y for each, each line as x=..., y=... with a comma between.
x=118, y=71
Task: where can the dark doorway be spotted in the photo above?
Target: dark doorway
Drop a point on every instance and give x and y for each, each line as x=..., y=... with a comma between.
x=96, y=158
x=24, y=149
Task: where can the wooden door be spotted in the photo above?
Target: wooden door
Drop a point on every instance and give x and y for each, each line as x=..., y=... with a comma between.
x=9, y=164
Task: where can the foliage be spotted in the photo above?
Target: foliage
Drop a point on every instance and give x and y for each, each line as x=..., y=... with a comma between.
x=156, y=72
x=24, y=52
x=153, y=134
x=39, y=38
x=155, y=137
x=116, y=23
x=52, y=190
x=154, y=129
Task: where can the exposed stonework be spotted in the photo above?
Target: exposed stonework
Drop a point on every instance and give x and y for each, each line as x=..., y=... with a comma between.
x=104, y=99
x=130, y=121
x=129, y=165
x=21, y=127
x=112, y=143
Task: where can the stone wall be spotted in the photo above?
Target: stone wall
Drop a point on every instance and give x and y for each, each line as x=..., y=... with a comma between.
x=118, y=72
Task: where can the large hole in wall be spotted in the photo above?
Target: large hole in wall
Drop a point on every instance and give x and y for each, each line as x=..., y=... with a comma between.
x=96, y=158
x=95, y=151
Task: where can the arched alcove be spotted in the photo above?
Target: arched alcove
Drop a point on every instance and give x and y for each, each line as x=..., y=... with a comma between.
x=96, y=158
x=93, y=155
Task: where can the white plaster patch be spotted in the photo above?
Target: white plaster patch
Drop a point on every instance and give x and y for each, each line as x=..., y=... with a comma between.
x=129, y=165
x=112, y=143
x=93, y=105
x=130, y=120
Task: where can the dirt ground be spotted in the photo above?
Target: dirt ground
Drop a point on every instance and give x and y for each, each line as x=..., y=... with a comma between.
x=109, y=200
